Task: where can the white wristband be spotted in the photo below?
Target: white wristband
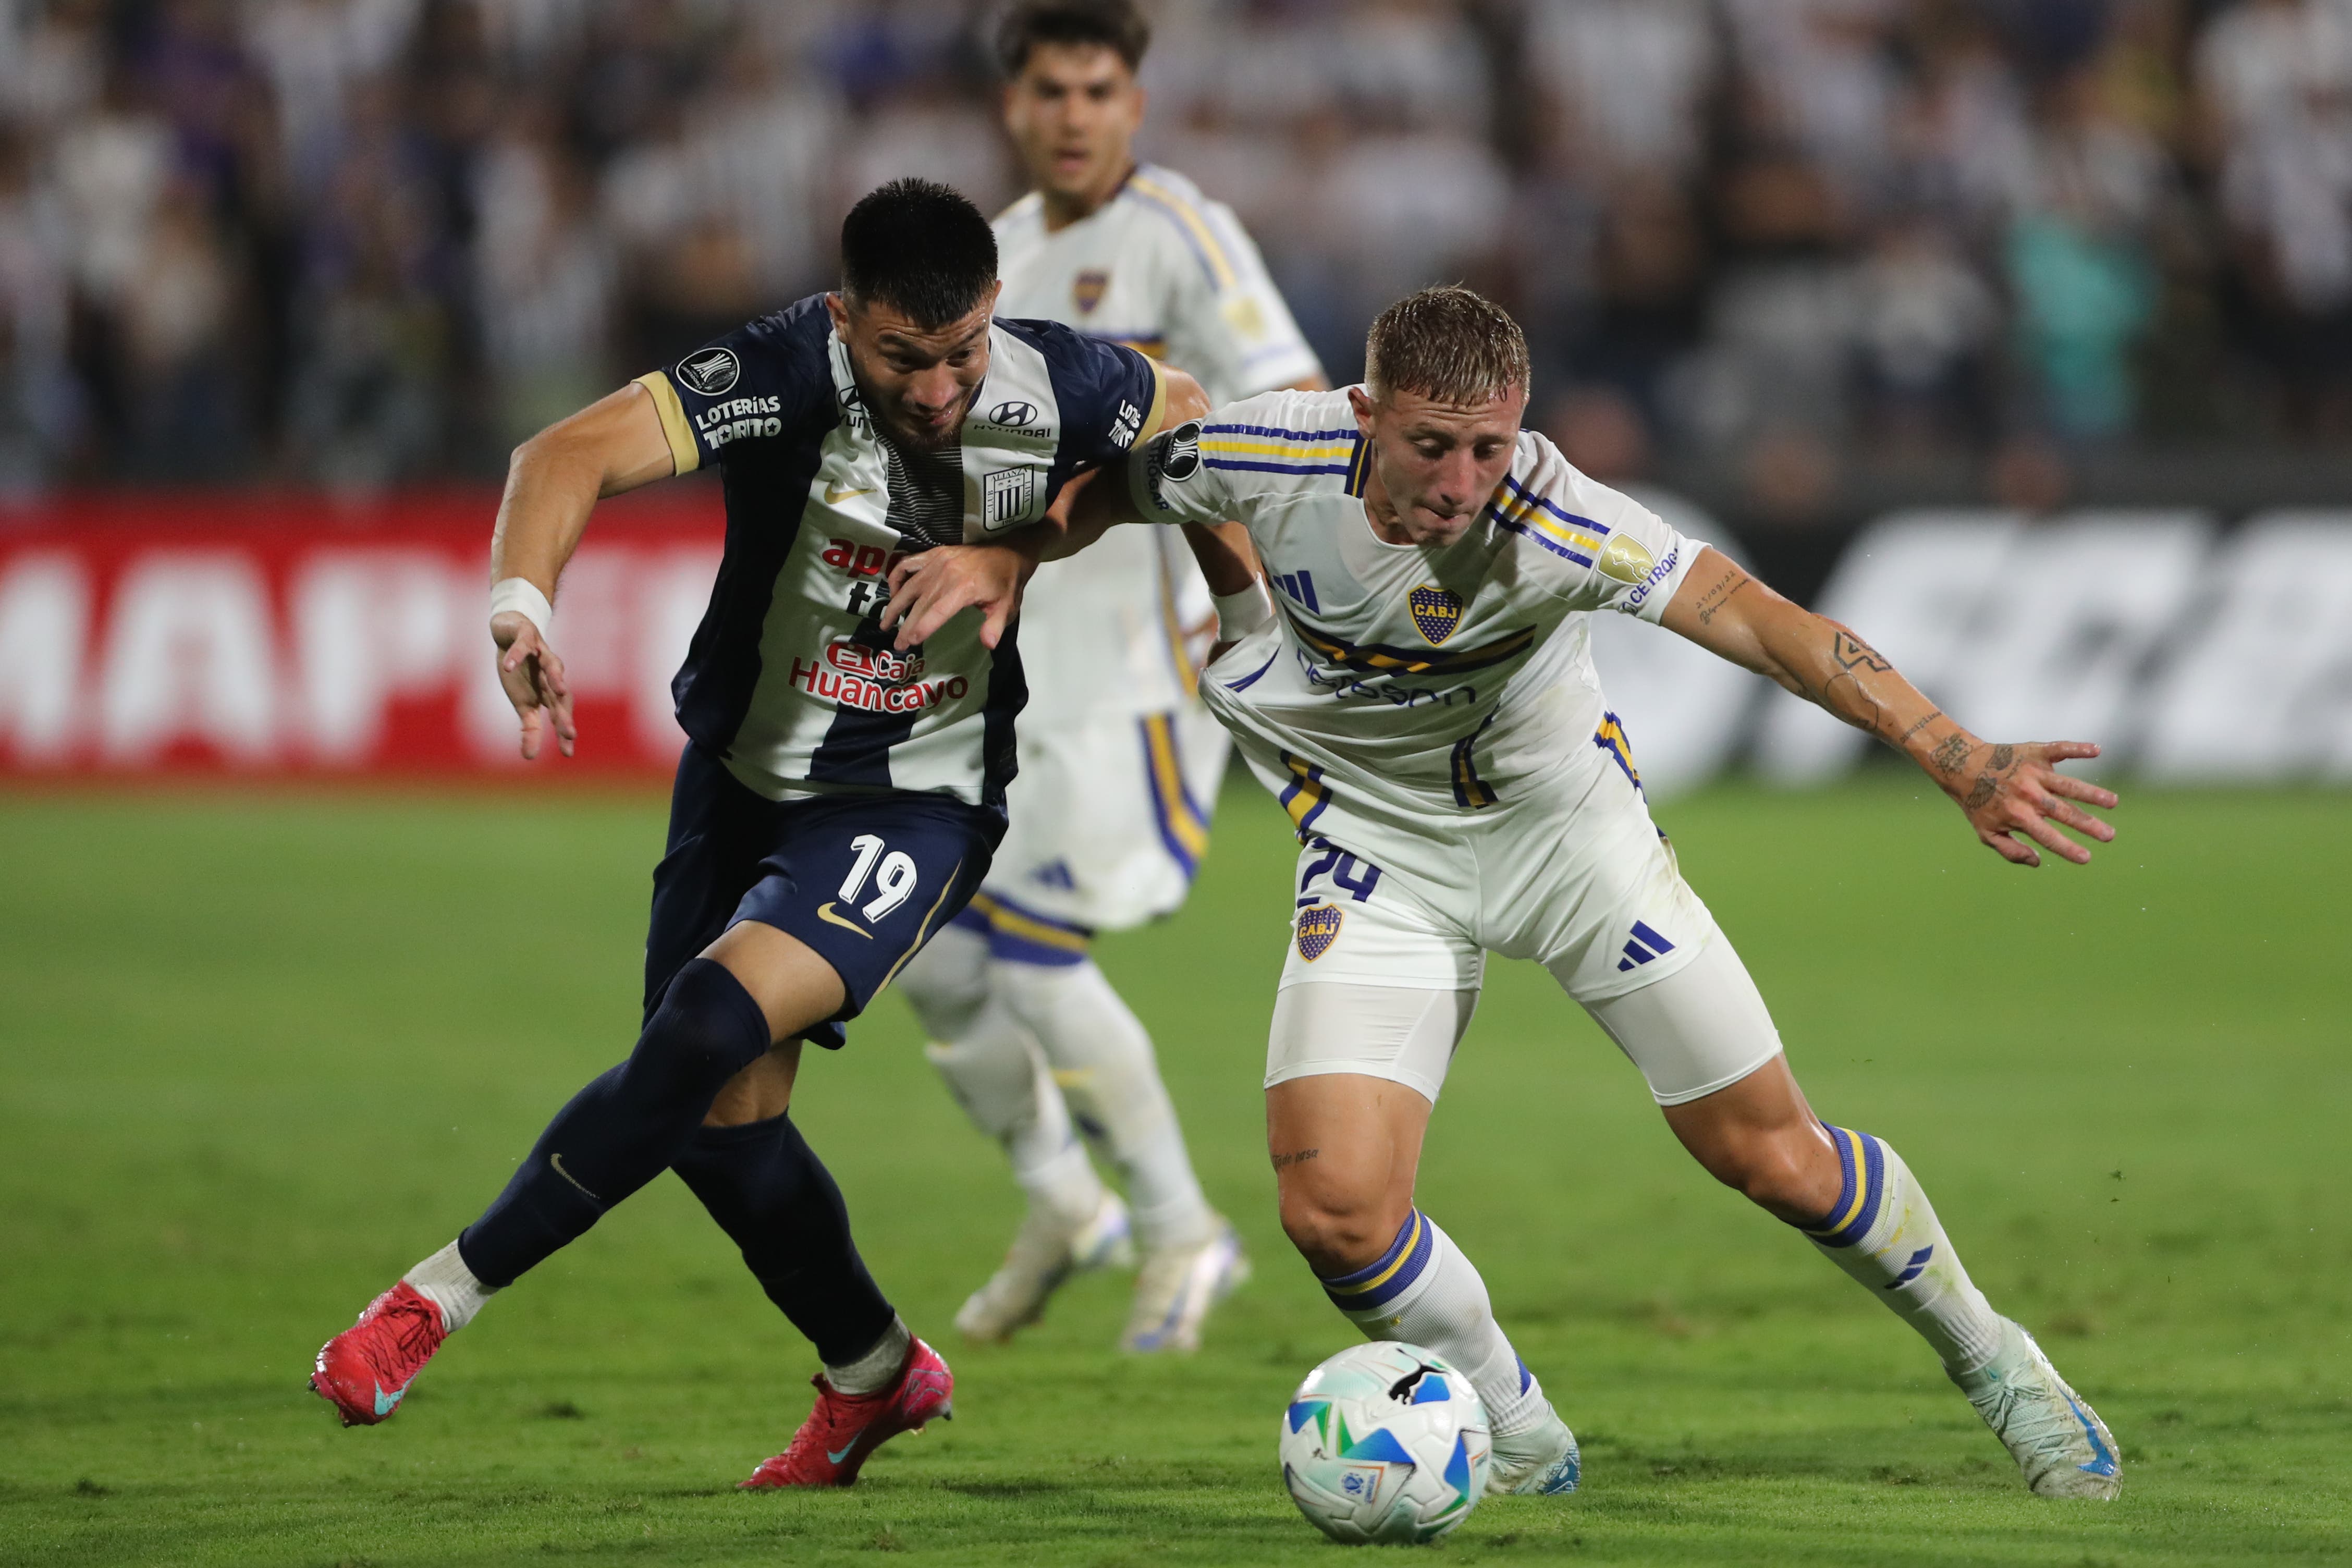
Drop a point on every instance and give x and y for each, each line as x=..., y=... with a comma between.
x=1245, y=614
x=521, y=595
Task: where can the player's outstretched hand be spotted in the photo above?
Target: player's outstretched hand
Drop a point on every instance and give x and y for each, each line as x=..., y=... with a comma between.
x=927, y=587
x=2008, y=790
x=534, y=681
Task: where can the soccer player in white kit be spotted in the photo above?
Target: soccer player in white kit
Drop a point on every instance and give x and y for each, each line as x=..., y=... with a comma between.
x=1119, y=762
x=1423, y=704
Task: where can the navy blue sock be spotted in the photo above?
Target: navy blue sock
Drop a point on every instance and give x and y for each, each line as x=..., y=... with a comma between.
x=623, y=1130
x=768, y=1190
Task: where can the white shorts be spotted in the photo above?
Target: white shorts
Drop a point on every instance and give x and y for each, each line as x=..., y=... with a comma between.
x=1381, y=977
x=1110, y=818
x=1592, y=894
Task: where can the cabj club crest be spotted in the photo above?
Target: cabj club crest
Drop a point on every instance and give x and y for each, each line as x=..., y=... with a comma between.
x=1437, y=611
x=1319, y=928
x=1086, y=290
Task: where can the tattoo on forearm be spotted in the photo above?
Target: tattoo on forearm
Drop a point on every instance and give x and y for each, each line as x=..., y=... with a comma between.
x=1917, y=725
x=1951, y=753
x=1850, y=652
x=1299, y=1159
x=1722, y=594
x=1845, y=702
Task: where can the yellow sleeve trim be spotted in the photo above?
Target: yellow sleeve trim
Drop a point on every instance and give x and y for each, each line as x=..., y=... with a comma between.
x=1157, y=412
x=1204, y=239
x=684, y=455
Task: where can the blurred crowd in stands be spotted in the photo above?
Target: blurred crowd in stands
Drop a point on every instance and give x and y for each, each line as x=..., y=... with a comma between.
x=361, y=243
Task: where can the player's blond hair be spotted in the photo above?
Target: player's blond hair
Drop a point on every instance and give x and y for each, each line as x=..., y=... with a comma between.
x=1446, y=344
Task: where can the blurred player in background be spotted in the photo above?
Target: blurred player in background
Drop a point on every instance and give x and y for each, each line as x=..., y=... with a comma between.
x=1425, y=709
x=842, y=792
x=1119, y=762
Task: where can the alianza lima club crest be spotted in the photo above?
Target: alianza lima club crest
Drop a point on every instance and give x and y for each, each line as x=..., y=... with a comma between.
x=1436, y=611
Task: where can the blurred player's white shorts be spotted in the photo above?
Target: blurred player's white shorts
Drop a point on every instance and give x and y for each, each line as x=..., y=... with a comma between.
x=1385, y=968
x=1110, y=817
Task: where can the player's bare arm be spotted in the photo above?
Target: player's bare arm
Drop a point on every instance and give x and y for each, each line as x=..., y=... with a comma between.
x=928, y=587
x=1227, y=559
x=553, y=481
x=1224, y=550
x=2005, y=788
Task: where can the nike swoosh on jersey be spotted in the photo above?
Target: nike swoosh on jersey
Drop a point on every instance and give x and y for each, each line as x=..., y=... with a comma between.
x=824, y=912
x=834, y=498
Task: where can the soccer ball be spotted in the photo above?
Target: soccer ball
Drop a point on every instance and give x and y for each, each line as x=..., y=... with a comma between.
x=1385, y=1442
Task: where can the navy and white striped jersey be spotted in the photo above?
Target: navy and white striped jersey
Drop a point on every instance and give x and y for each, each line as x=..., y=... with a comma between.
x=790, y=677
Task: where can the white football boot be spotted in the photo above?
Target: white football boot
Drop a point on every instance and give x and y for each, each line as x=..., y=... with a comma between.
x=1045, y=1251
x=1541, y=1462
x=2060, y=1443
x=1176, y=1287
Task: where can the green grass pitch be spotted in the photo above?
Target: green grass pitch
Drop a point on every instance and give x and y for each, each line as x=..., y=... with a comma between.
x=257, y=1053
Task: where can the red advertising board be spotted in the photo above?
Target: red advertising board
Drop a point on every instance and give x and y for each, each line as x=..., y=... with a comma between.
x=260, y=635
x=255, y=635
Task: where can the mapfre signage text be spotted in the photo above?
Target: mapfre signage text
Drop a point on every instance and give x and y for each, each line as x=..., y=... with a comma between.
x=259, y=635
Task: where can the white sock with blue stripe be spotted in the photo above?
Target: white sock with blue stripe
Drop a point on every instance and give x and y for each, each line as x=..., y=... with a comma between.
x=1883, y=1232
x=1423, y=1291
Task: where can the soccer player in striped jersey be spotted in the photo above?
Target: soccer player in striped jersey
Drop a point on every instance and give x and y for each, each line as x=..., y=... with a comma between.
x=1119, y=762
x=1423, y=706
x=843, y=787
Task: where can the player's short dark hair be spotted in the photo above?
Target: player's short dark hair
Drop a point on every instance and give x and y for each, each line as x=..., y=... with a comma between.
x=920, y=247
x=1447, y=343
x=1116, y=25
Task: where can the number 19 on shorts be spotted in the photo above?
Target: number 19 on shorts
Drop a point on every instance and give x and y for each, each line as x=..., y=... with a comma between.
x=892, y=871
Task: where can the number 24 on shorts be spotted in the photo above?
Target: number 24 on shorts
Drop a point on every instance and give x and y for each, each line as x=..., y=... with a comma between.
x=893, y=885
x=1355, y=877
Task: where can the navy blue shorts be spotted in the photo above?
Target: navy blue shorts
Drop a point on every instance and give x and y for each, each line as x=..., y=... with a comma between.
x=865, y=879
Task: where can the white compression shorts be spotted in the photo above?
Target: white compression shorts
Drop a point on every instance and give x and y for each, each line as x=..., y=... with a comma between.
x=1701, y=1028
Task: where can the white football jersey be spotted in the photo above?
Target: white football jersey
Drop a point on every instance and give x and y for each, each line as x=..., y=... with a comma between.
x=1404, y=683
x=1163, y=269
